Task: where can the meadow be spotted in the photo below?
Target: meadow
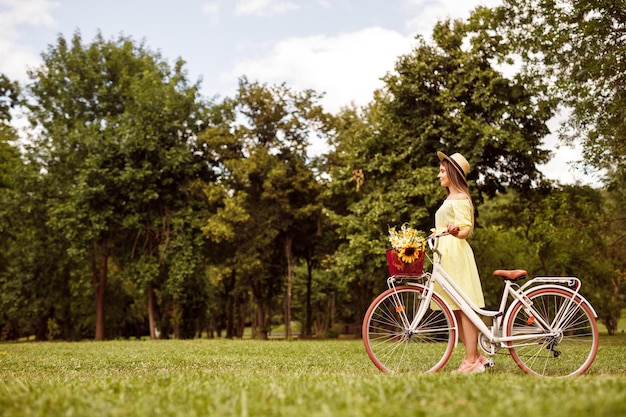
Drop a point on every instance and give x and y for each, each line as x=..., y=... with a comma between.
x=217, y=377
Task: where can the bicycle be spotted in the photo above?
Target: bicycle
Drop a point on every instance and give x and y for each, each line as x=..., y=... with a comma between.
x=548, y=327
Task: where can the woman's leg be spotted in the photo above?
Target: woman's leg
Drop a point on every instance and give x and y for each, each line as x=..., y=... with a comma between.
x=459, y=323
x=468, y=333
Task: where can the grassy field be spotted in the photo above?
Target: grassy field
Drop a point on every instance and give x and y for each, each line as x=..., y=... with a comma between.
x=205, y=377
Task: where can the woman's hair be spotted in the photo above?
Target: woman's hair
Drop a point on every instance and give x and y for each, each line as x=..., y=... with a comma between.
x=459, y=182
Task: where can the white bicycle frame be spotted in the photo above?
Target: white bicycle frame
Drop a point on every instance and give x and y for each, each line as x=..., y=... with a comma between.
x=474, y=313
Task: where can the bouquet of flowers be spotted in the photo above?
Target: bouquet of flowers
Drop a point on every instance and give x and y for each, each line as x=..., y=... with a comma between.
x=409, y=243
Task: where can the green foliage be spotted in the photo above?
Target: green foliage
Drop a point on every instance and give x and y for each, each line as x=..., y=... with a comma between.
x=266, y=195
x=443, y=96
x=9, y=155
x=449, y=96
x=235, y=378
x=34, y=271
x=118, y=156
x=216, y=212
x=10, y=165
x=580, y=47
x=613, y=232
x=500, y=247
x=556, y=231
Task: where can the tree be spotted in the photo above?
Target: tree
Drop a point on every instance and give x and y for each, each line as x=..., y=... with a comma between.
x=10, y=164
x=34, y=279
x=266, y=194
x=9, y=154
x=113, y=140
x=578, y=46
x=443, y=96
x=577, y=49
x=613, y=232
x=557, y=231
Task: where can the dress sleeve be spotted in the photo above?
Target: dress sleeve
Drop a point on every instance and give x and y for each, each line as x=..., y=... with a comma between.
x=463, y=214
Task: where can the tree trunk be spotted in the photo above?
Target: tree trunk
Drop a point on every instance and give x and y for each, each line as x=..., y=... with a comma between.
x=262, y=325
x=100, y=279
x=176, y=314
x=289, y=257
x=42, y=328
x=243, y=315
x=308, y=320
x=229, y=286
x=230, y=317
x=331, y=310
x=254, y=324
x=151, y=318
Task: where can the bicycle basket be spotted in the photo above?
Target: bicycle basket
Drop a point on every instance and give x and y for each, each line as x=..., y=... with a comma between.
x=397, y=267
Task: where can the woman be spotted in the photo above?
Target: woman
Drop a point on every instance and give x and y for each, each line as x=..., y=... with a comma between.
x=456, y=216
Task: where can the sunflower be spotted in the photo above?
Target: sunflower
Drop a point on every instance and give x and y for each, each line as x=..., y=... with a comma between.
x=408, y=242
x=410, y=253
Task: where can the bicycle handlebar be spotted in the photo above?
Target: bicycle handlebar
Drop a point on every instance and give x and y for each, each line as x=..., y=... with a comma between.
x=433, y=239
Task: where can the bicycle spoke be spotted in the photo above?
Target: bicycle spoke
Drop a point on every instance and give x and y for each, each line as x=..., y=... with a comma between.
x=567, y=348
x=394, y=346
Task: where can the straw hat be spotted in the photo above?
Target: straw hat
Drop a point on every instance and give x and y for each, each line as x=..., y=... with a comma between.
x=458, y=161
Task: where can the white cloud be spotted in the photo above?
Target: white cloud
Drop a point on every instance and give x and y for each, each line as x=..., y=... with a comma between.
x=326, y=4
x=15, y=60
x=33, y=12
x=565, y=164
x=432, y=11
x=264, y=7
x=15, y=55
x=212, y=10
x=347, y=67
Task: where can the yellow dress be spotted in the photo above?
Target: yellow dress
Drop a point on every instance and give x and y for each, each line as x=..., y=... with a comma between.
x=457, y=255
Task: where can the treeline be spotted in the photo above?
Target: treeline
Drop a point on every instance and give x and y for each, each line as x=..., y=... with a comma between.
x=136, y=207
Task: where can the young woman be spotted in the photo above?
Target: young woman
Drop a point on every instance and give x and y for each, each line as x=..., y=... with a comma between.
x=456, y=216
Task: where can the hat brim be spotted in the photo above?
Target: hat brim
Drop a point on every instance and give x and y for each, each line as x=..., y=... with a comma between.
x=455, y=164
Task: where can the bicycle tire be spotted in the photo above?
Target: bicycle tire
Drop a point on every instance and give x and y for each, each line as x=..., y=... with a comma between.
x=393, y=348
x=569, y=353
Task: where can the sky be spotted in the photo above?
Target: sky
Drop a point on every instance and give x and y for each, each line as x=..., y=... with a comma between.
x=340, y=48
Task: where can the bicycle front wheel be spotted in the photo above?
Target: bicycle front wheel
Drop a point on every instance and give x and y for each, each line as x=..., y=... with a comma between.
x=573, y=344
x=394, y=345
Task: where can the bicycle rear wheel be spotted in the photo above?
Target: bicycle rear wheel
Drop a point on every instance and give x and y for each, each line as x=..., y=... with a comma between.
x=393, y=347
x=571, y=351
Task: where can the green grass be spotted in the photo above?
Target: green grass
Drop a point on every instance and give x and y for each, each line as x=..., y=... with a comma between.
x=278, y=378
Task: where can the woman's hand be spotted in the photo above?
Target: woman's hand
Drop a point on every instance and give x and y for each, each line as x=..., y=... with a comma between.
x=453, y=229
x=461, y=232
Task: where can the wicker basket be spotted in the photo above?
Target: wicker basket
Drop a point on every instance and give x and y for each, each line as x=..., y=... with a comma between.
x=397, y=267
